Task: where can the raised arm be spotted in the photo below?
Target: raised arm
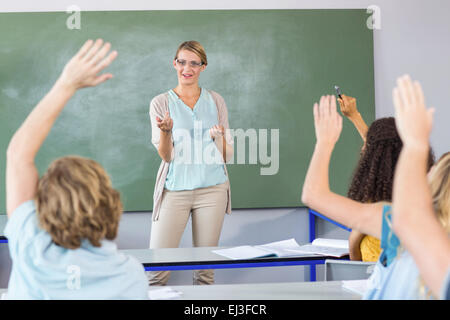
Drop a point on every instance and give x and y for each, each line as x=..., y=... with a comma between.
x=316, y=191
x=349, y=109
x=414, y=220
x=81, y=71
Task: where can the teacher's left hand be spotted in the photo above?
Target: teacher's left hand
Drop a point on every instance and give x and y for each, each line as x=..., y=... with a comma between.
x=216, y=132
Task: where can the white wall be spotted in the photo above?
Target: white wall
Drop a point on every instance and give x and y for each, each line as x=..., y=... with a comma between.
x=414, y=38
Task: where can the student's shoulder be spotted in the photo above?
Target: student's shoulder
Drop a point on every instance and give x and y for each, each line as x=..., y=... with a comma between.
x=23, y=227
x=129, y=261
x=137, y=269
x=21, y=216
x=445, y=290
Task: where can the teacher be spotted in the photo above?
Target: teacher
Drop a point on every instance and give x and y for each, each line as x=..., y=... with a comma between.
x=189, y=129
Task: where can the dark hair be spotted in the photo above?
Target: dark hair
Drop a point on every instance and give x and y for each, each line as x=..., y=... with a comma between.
x=374, y=175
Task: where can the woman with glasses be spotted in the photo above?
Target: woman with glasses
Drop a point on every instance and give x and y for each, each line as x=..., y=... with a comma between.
x=189, y=129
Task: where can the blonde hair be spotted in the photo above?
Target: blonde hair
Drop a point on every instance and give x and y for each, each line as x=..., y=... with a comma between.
x=195, y=47
x=439, y=180
x=75, y=201
x=440, y=190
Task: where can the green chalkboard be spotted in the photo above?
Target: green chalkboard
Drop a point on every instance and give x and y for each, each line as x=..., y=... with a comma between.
x=269, y=65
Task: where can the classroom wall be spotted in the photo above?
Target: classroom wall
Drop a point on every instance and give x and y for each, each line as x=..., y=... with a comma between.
x=413, y=38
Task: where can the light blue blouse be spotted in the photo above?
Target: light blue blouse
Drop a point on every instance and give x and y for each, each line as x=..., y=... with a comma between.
x=197, y=162
x=395, y=276
x=43, y=270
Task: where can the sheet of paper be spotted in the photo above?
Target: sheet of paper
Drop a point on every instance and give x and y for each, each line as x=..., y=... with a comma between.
x=357, y=286
x=281, y=248
x=325, y=251
x=243, y=252
x=334, y=243
x=165, y=293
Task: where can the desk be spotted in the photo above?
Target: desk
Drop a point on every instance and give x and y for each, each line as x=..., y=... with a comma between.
x=326, y=290
x=312, y=232
x=320, y=290
x=204, y=258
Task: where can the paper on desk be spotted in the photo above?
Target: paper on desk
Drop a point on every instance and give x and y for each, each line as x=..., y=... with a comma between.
x=333, y=243
x=326, y=247
x=243, y=252
x=277, y=249
x=281, y=248
x=357, y=286
x=325, y=251
x=165, y=293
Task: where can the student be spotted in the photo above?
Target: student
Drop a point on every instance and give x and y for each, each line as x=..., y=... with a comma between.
x=189, y=129
x=373, y=177
x=421, y=210
x=61, y=227
x=395, y=275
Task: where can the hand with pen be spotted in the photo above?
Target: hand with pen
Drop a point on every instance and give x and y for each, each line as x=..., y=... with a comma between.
x=349, y=109
x=348, y=106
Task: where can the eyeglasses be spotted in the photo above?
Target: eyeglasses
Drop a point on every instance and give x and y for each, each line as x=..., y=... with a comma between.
x=193, y=64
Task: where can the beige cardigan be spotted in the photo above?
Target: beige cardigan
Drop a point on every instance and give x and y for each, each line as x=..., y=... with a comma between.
x=158, y=107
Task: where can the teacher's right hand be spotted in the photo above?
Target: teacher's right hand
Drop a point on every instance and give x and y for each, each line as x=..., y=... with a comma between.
x=165, y=124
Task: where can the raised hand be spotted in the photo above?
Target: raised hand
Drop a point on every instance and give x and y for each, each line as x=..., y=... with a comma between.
x=413, y=119
x=84, y=68
x=348, y=106
x=327, y=121
x=81, y=71
x=349, y=109
x=216, y=131
x=165, y=124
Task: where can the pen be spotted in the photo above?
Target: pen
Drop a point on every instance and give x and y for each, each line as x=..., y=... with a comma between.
x=338, y=92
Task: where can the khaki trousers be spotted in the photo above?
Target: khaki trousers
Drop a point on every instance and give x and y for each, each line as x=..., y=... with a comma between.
x=208, y=207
